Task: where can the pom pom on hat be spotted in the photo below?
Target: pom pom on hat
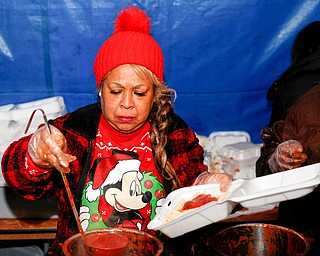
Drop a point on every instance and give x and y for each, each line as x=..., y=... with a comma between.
x=130, y=43
x=132, y=19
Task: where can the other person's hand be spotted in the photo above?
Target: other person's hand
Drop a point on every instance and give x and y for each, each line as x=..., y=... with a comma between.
x=48, y=150
x=288, y=155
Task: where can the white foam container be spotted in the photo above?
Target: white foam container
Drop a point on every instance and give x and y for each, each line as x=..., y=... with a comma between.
x=13, y=121
x=278, y=187
x=239, y=159
x=5, y=108
x=255, y=192
x=20, y=113
x=14, y=118
x=221, y=139
x=196, y=218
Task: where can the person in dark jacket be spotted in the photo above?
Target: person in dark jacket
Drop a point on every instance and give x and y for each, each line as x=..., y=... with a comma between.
x=303, y=73
x=292, y=139
x=291, y=143
x=122, y=155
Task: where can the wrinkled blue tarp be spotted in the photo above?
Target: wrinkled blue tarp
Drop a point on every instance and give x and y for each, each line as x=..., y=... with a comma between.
x=220, y=56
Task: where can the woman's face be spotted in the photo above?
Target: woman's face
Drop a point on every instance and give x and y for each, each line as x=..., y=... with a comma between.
x=126, y=99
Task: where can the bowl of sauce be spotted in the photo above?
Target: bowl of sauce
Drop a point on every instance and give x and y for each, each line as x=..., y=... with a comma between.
x=112, y=242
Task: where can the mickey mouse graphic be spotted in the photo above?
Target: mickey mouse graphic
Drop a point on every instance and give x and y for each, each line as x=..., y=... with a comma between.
x=116, y=188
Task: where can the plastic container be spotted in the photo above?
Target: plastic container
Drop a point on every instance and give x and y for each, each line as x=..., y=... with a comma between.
x=259, y=240
x=140, y=243
x=239, y=159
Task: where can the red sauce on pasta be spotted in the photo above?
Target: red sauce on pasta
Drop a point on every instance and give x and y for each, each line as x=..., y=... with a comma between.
x=198, y=201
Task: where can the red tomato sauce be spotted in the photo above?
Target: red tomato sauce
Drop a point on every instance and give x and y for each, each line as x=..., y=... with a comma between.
x=198, y=201
x=106, y=244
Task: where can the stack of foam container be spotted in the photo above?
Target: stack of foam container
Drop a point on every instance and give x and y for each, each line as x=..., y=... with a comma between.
x=13, y=121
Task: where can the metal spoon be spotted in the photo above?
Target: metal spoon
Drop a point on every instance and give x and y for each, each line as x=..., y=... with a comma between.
x=91, y=249
x=65, y=181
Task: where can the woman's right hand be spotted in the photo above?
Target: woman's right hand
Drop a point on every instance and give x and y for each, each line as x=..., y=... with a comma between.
x=288, y=155
x=48, y=150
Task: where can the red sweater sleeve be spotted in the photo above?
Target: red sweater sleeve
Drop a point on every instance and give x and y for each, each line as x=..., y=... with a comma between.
x=187, y=156
x=22, y=175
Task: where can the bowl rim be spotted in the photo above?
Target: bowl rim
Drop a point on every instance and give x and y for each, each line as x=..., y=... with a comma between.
x=102, y=230
x=307, y=243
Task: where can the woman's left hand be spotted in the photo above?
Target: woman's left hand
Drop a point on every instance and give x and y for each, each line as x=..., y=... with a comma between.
x=223, y=179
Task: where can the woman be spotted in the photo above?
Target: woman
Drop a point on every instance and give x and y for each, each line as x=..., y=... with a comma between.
x=123, y=155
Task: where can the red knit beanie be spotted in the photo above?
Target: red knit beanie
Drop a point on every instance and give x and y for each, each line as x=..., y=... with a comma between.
x=130, y=43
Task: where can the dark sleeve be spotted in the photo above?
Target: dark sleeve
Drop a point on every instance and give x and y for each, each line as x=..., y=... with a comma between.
x=270, y=142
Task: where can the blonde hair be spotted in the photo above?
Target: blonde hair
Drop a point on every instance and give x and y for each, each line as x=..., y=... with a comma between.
x=160, y=121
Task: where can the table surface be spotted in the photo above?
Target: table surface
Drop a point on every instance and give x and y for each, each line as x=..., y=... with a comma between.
x=27, y=229
x=45, y=229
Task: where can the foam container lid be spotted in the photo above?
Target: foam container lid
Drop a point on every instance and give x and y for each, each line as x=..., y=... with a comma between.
x=278, y=187
x=254, y=192
x=241, y=151
x=221, y=139
x=52, y=107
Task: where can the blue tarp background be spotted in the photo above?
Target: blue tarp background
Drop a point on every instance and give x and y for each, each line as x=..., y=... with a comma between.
x=220, y=56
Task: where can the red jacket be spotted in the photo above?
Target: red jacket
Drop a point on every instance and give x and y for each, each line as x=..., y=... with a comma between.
x=79, y=128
